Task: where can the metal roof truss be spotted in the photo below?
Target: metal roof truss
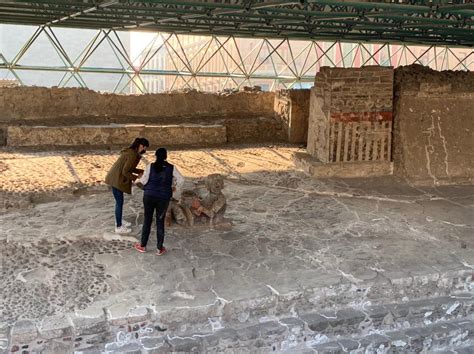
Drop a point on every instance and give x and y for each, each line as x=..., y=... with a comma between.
x=407, y=21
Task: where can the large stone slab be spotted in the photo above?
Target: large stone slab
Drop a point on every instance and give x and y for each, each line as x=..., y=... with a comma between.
x=99, y=135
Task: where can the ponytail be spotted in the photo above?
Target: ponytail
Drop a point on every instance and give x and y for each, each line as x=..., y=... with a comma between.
x=161, y=156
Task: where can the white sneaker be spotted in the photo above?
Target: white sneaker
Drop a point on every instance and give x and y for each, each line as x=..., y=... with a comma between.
x=126, y=223
x=122, y=230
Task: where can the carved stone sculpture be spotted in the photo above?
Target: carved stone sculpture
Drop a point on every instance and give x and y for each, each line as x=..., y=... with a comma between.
x=200, y=206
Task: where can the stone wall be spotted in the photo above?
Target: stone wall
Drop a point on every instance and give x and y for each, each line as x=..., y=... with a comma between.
x=350, y=115
x=434, y=125
x=292, y=108
x=97, y=135
x=42, y=104
x=57, y=117
x=9, y=83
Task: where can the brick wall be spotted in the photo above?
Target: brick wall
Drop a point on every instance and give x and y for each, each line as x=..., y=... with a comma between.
x=350, y=116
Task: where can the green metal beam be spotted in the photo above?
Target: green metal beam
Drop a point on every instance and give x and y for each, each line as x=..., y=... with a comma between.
x=427, y=21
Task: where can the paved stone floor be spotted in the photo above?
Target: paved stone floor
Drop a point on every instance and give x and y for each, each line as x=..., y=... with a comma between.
x=291, y=234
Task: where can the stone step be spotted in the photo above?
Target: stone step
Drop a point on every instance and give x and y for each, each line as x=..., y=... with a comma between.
x=445, y=337
x=181, y=133
x=225, y=326
x=365, y=319
x=442, y=336
x=346, y=326
x=468, y=349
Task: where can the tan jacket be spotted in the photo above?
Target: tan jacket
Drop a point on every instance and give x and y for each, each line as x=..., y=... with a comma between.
x=121, y=174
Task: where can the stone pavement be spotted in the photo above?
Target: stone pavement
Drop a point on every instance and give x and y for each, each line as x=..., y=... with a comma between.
x=307, y=264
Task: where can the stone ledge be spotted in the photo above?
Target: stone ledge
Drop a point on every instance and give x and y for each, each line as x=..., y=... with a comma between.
x=448, y=335
x=97, y=135
x=126, y=323
x=316, y=168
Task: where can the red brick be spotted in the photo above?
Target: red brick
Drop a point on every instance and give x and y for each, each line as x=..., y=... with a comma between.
x=361, y=116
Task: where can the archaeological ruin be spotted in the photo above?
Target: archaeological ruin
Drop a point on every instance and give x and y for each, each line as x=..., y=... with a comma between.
x=327, y=202
x=325, y=257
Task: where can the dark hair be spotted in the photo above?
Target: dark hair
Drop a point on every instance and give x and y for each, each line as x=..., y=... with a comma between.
x=139, y=141
x=161, y=156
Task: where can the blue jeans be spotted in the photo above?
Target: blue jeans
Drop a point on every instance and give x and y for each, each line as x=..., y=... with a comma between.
x=118, y=195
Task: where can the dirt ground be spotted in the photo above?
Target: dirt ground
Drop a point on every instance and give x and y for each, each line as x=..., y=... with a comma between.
x=28, y=177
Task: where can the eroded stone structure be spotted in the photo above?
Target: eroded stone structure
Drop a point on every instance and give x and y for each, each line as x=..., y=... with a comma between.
x=434, y=125
x=41, y=104
x=292, y=108
x=55, y=117
x=350, y=123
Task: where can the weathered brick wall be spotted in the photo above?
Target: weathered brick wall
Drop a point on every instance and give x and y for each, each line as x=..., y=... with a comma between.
x=292, y=108
x=434, y=125
x=350, y=115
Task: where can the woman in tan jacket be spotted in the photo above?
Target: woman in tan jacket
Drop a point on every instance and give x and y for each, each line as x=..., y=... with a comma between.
x=120, y=177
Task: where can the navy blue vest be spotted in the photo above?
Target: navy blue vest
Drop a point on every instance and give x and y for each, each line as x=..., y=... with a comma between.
x=160, y=183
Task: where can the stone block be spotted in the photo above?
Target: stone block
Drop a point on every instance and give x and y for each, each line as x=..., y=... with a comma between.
x=23, y=331
x=125, y=313
x=295, y=325
x=248, y=333
x=4, y=334
x=260, y=129
x=220, y=339
x=58, y=347
x=89, y=321
x=58, y=326
x=270, y=329
x=315, y=322
x=315, y=168
x=185, y=344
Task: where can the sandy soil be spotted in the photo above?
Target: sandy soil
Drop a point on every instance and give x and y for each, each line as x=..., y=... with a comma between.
x=26, y=177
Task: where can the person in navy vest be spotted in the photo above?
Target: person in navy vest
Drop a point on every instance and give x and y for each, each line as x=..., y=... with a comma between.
x=157, y=183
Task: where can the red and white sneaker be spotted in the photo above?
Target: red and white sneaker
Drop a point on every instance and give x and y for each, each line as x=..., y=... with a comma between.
x=139, y=247
x=161, y=251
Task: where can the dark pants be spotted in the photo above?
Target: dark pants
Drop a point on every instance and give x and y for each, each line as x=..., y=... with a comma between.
x=118, y=195
x=160, y=205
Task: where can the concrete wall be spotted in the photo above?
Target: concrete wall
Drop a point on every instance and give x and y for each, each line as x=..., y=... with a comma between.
x=350, y=114
x=434, y=125
x=292, y=108
x=43, y=104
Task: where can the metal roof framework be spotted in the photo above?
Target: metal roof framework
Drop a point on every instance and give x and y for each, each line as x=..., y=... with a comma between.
x=427, y=22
